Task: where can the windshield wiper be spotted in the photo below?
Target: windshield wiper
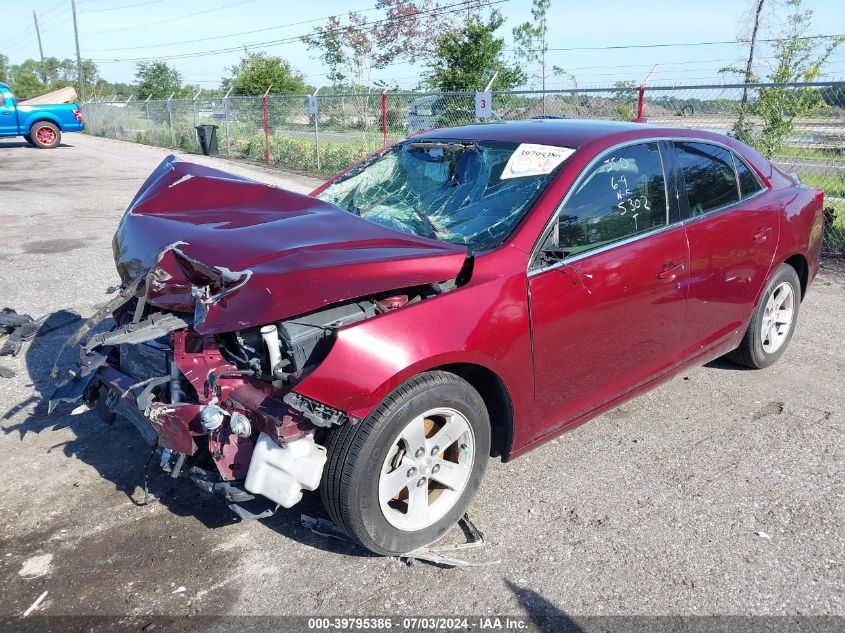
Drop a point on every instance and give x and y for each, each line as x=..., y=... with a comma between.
x=422, y=216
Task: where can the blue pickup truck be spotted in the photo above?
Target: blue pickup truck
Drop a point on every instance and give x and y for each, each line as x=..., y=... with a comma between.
x=40, y=125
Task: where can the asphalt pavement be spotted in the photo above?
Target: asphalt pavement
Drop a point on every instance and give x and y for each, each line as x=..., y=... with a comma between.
x=721, y=492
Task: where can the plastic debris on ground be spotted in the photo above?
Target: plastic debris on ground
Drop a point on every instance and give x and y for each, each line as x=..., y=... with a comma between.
x=35, y=604
x=441, y=555
x=17, y=329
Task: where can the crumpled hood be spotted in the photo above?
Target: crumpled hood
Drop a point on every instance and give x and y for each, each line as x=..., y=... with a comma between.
x=239, y=254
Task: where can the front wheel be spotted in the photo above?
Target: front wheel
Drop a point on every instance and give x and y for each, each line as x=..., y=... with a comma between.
x=773, y=321
x=404, y=476
x=45, y=135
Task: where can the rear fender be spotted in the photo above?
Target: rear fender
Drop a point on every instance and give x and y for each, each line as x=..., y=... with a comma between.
x=801, y=229
x=27, y=124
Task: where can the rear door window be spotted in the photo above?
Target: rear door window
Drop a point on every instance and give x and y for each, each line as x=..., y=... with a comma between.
x=622, y=196
x=749, y=184
x=709, y=176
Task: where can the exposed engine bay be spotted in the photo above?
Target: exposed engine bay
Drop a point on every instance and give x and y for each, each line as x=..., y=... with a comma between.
x=221, y=406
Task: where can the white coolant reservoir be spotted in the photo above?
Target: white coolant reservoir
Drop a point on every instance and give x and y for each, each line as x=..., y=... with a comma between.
x=281, y=472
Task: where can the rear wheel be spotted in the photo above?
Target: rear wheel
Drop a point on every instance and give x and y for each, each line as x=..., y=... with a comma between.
x=403, y=477
x=773, y=321
x=45, y=135
x=28, y=139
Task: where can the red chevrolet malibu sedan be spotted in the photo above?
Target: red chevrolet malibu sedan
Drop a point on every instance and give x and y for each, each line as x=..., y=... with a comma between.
x=469, y=292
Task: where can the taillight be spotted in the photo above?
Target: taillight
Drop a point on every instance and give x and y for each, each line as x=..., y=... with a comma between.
x=78, y=114
x=820, y=197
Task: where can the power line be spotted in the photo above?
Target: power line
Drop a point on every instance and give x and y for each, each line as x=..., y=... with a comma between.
x=125, y=6
x=175, y=18
x=288, y=40
x=56, y=18
x=669, y=45
x=220, y=37
x=61, y=4
x=20, y=38
x=54, y=25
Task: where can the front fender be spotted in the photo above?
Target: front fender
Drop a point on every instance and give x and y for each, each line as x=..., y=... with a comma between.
x=483, y=323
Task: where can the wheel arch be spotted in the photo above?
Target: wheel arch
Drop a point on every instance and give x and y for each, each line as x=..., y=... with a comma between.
x=799, y=262
x=496, y=398
x=44, y=119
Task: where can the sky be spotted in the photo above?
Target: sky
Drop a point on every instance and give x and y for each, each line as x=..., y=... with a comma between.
x=114, y=31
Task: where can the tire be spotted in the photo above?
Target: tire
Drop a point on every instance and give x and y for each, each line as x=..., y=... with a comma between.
x=754, y=351
x=361, y=459
x=28, y=139
x=45, y=135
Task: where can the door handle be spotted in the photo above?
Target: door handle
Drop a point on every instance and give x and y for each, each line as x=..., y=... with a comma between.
x=670, y=271
x=762, y=234
x=7, y=113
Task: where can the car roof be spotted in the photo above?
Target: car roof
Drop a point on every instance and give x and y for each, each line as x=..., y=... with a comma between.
x=560, y=132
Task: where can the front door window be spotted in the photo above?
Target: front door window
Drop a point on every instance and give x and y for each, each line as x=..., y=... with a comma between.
x=623, y=196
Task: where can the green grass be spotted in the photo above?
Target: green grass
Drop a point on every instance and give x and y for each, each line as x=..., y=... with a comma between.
x=811, y=153
x=833, y=185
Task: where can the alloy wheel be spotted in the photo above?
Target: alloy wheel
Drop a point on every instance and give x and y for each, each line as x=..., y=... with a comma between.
x=777, y=317
x=426, y=469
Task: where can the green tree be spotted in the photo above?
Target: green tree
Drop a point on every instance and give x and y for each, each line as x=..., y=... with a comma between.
x=833, y=95
x=257, y=71
x=530, y=39
x=103, y=89
x=31, y=78
x=625, y=94
x=467, y=59
x=797, y=58
x=352, y=47
x=157, y=79
x=26, y=85
x=4, y=68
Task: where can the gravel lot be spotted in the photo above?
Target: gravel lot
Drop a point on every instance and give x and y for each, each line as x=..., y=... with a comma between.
x=719, y=493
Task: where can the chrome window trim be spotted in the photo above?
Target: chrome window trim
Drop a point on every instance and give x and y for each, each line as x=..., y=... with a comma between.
x=604, y=248
x=625, y=241
x=726, y=207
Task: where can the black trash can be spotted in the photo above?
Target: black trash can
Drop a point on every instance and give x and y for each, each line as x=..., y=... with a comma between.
x=207, y=135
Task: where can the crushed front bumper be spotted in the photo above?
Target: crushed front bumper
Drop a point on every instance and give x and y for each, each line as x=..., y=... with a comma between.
x=162, y=379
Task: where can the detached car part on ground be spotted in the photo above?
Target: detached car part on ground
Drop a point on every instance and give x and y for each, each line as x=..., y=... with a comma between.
x=470, y=292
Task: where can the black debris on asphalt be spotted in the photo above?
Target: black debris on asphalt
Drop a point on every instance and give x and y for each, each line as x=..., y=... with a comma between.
x=17, y=329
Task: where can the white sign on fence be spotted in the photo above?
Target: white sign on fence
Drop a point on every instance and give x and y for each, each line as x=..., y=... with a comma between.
x=483, y=105
x=312, y=104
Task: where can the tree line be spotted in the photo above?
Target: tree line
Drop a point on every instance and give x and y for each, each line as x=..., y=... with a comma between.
x=459, y=43
x=461, y=46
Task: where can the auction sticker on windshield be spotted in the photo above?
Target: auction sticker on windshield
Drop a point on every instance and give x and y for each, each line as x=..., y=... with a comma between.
x=530, y=159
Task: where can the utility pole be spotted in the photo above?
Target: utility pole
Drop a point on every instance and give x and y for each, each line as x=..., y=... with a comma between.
x=40, y=49
x=79, y=71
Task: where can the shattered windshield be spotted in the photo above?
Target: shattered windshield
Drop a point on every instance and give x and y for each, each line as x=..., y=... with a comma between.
x=471, y=193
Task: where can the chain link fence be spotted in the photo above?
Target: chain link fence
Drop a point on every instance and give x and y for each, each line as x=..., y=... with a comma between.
x=801, y=127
